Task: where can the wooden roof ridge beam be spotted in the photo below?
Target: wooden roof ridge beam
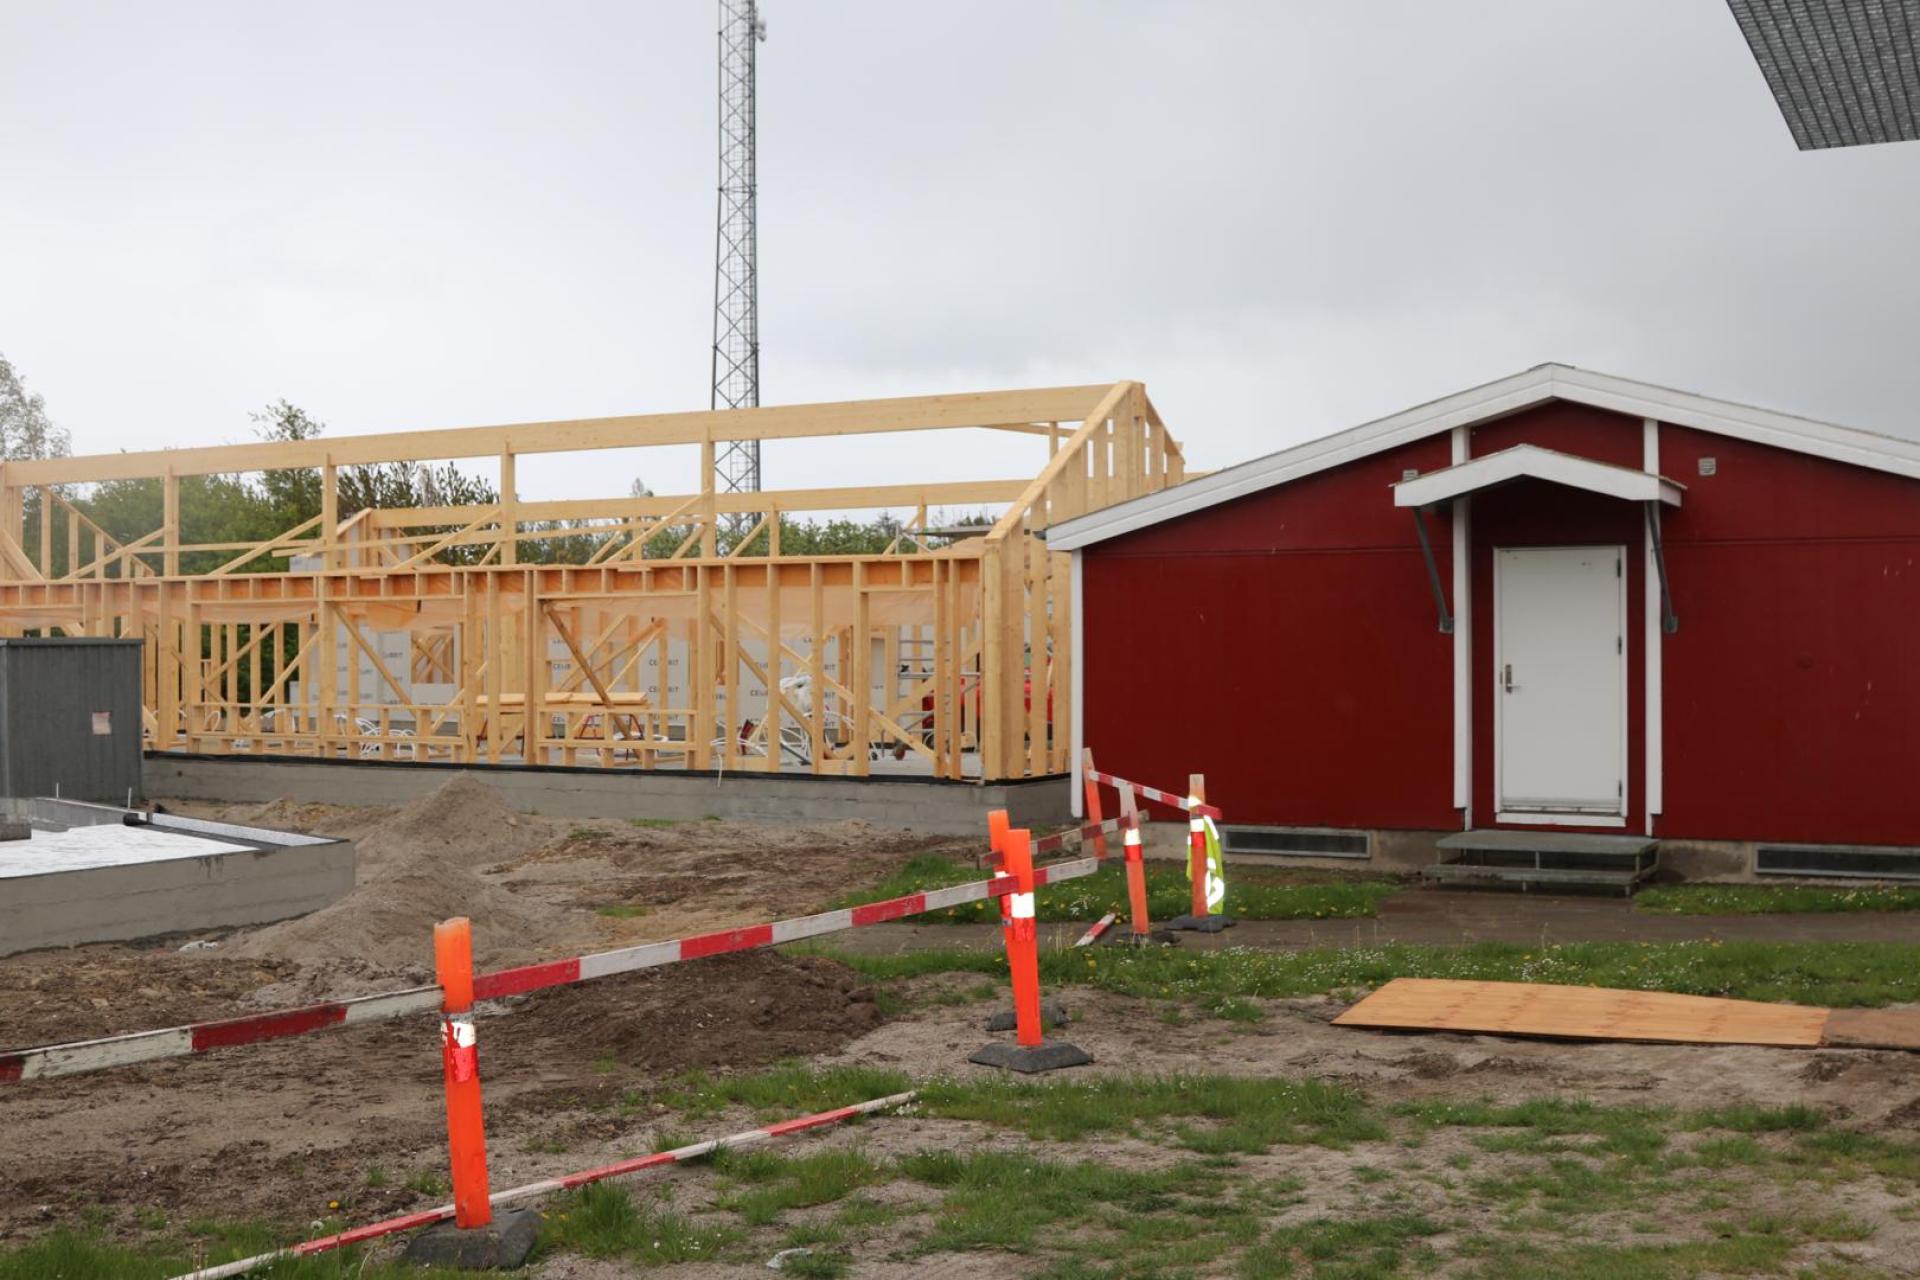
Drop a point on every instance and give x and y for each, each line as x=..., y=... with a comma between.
x=1031, y=410
x=941, y=493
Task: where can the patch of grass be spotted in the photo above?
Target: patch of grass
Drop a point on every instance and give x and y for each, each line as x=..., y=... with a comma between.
x=604, y=1221
x=787, y=1090
x=773, y=1182
x=1828, y=974
x=1732, y=1255
x=817, y=1265
x=1848, y=1153
x=657, y=824
x=1347, y=1248
x=1773, y=899
x=1251, y=895
x=70, y=1255
x=1543, y=1126
x=1001, y=1200
x=1747, y=1118
x=1241, y=1114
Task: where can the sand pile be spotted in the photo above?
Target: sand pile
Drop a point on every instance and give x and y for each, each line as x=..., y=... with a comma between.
x=419, y=865
x=463, y=822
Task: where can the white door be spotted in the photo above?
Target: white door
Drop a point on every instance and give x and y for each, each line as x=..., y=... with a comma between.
x=1560, y=682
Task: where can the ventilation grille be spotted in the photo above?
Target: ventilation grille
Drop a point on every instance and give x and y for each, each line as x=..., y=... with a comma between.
x=1851, y=861
x=1306, y=842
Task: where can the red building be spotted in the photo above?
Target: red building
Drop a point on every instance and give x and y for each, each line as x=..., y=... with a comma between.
x=1559, y=603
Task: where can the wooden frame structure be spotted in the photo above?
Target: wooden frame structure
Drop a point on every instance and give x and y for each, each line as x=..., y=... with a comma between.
x=955, y=656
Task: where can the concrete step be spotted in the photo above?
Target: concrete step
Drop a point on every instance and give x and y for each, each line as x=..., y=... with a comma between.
x=1505, y=840
x=1570, y=877
x=1561, y=859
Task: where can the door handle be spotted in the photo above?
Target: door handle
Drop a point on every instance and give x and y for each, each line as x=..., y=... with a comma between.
x=1506, y=677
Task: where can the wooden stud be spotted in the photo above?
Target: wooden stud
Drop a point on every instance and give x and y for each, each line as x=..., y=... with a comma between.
x=817, y=664
x=509, y=510
x=776, y=660
x=861, y=677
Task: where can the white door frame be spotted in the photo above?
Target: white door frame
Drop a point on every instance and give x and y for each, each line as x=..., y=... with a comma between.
x=1589, y=819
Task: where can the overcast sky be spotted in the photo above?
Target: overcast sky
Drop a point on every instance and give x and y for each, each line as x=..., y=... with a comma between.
x=1285, y=217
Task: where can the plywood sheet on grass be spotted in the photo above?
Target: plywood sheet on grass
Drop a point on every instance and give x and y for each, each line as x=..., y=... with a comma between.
x=1582, y=1013
x=1874, y=1029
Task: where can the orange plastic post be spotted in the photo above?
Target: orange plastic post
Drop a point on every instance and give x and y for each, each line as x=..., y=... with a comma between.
x=1023, y=943
x=1093, y=803
x=1136, y=865
x=460, y=1059
x=1197, y=837
x=997, y=827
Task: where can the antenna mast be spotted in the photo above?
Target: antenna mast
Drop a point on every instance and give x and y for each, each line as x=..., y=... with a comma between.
x=736, y=287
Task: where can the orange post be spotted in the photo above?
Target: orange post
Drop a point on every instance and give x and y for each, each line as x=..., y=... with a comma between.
x=1136, y=866
x=1023, y=943
x=1197, y=838
x=466, y=1130
x=1093, y=803
x=997, y=827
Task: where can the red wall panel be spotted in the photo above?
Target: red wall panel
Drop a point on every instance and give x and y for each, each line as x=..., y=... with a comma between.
x=1286, y=646
x=1792, y=687
x=1578, y=429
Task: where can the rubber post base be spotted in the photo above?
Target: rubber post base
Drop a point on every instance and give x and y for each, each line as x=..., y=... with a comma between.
x=1030, y=1061
x=1201, y=924
x=503, y=1243
x=1052, y=1014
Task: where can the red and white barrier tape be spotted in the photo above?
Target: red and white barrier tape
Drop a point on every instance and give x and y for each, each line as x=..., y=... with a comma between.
x=1185, y=803
x=548, y=1186
x=1096, y=929
x=179, y=1042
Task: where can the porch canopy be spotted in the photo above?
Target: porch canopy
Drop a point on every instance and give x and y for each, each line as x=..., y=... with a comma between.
x=1530, y=461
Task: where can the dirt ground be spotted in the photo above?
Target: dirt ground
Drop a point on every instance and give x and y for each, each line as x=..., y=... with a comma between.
x=291, y=1126
x=348, y=1123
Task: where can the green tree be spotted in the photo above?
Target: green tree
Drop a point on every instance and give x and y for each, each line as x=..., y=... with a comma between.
x=27, y=432
x=294, y=494
x=25, y=429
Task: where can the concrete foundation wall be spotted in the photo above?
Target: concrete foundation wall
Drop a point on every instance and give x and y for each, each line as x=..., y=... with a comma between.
x=177, y=895
x=943, y=808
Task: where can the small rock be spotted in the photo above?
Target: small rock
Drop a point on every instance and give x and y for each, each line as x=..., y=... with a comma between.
x=778, y=1262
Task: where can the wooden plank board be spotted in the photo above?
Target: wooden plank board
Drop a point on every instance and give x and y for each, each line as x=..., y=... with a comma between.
x=1582, y=1013
x=1873, y=1029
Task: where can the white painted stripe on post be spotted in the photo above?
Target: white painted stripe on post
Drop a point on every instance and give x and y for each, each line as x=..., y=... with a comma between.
x=1022, y=906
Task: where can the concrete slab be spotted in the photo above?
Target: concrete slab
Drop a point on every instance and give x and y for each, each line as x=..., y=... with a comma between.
x=921, y=804
x=84, y=875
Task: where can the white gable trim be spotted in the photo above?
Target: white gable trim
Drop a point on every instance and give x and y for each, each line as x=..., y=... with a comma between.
x=1530, y=461
x=1483, y=404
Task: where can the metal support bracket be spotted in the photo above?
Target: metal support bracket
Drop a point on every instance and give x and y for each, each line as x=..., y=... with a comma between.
x=1433, y=570
x=1669, y=623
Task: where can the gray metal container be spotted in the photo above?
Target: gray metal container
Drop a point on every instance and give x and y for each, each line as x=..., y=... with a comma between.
x=70, y=718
